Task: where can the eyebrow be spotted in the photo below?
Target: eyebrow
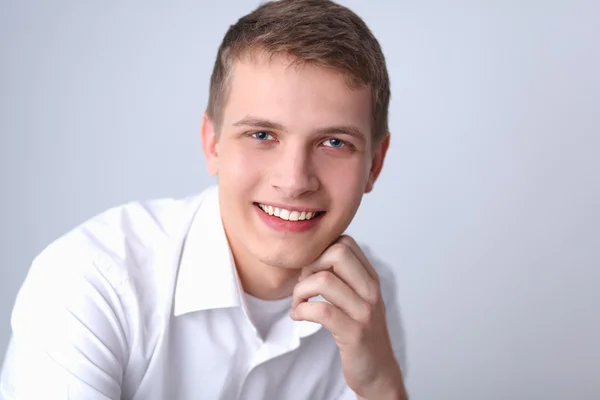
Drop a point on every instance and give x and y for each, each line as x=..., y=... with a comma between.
x=256, y=122
x=262, y=123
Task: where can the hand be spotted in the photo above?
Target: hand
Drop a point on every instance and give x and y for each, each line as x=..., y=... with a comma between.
x=343, y=276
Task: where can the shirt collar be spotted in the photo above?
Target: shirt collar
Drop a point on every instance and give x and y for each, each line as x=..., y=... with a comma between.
x=207, y=276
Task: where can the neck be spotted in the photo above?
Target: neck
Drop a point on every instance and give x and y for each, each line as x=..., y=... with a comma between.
x=265, y=281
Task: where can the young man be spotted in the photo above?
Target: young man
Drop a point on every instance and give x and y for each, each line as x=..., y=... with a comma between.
x=249, y=290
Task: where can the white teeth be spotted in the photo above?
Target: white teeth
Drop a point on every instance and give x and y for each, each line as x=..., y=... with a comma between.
x=287, y=214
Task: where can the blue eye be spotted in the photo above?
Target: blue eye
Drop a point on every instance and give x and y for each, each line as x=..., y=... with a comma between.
x=262, y=135
x=334, y=143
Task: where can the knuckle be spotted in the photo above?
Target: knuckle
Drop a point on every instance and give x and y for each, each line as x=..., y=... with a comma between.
x=372, y=300
x=323, y=310
x=326, y=278
x=373, y=295
x=339, y=250
x=365, y=315
x=346, y=240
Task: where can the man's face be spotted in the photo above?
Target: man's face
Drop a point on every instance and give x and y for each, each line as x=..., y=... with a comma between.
x=293, y=157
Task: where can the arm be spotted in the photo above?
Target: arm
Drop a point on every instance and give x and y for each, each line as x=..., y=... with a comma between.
x=68, y=341
x=396, y=332
x=362, y=315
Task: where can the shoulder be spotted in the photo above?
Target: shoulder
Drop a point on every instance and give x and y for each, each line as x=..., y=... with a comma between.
x=123, y=237
x=89, y=297
x=123, y=257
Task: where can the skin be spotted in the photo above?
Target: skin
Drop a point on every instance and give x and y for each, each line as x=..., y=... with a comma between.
x=299, y=136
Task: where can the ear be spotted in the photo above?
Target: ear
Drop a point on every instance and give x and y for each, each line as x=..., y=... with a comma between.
x=210, y=144
x=377, y=162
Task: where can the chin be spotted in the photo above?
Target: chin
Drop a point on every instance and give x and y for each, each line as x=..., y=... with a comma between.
x=289, y=259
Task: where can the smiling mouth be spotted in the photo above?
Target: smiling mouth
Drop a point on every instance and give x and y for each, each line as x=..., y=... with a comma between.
x=289, y=215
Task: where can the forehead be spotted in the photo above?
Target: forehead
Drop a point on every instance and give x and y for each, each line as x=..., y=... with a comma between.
x=295, y=95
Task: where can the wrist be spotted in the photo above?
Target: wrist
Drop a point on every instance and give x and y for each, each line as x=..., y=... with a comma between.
x=396, y=394
x=391, y=388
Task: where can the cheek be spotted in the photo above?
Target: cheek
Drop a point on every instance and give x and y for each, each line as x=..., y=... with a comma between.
x=240, y=165
x=347, y=178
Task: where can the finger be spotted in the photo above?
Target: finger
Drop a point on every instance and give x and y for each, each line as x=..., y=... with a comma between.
x=351, y=243
x=337, y=255
x=340, y=259
x=332, y=318
x=335, y=291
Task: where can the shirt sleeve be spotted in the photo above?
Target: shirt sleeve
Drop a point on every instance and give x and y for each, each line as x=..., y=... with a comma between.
x=68, y=339
x=393, y=317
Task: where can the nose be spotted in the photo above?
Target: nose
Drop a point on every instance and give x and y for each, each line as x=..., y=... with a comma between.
x=294, y=173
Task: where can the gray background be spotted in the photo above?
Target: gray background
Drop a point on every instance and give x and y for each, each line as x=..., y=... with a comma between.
x=487, y=207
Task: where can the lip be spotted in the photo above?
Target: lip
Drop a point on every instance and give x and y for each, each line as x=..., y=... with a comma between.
x=290, y=207
x=282, y=225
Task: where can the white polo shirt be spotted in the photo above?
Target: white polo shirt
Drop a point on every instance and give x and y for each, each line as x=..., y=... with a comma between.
x=144, y=302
